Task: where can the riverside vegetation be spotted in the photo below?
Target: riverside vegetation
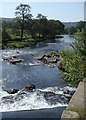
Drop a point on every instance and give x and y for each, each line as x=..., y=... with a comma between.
x=74, y=61
x=24, y=31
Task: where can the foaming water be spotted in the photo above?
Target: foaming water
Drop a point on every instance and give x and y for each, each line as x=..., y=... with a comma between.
x=30, y=100
x=50, y=97
x=34, y=63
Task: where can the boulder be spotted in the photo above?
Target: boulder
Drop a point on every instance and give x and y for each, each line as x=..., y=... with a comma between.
x=30, y=87
x=68, y=96
x=6, y=58
x=68, y=91
x=40, y=57
x=70, y=115
x=50, y=60
x=48, y=56
x=15, y=60
x=49, y=94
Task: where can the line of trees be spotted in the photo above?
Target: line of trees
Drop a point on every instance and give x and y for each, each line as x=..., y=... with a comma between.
x=81, y=25
x=24, y=23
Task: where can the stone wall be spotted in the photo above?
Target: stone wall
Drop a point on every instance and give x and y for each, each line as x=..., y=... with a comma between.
x=77, y=102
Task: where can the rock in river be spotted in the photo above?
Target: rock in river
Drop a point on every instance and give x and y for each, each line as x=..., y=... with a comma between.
x=30, y=87
x=49, y=94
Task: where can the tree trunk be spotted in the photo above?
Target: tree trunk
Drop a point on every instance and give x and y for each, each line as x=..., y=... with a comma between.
x=21, y=32
x=22, y=27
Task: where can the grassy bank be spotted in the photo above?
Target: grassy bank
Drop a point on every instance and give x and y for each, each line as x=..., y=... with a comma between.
x=20, y=44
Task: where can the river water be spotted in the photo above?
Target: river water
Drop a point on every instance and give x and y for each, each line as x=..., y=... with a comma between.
x=45, y=78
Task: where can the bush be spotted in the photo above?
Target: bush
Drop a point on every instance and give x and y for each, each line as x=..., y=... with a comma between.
x=74, y=61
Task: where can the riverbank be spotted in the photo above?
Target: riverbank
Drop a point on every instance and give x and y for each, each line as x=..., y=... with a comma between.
x=76, y=108
x=26, y=42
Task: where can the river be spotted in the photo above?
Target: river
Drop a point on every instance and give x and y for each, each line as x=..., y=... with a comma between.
x=45, y=78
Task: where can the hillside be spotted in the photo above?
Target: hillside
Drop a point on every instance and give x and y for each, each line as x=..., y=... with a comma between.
x=7, y=19
x=69, y=24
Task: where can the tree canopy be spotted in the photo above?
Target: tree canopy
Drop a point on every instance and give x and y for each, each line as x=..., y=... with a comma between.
x=22, y=13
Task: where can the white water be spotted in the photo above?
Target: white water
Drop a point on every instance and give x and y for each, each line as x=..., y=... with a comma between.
x=34, y=63
x=29, y=100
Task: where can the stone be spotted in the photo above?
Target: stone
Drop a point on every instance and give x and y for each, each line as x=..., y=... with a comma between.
x=50, y=60
x=68, y=96
x=49, y=56
x=69, y=114
x=51, y=65
x=6, y=58
x=40, y=57
x=15, y=60
x=30, y=87
x=49, y=94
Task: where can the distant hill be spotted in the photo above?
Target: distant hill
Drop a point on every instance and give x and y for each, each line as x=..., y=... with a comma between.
x=69, y=24
x=66, y=24
x=7, y=19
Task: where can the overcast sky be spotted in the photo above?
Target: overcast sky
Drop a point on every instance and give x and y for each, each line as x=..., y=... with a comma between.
x=63, y=11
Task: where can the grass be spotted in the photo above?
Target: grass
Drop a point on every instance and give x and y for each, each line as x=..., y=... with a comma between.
x=21, y=44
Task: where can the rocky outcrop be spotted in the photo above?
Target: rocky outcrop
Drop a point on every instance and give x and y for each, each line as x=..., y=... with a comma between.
x=40, y=57
x=50, y=58
x=15, y=60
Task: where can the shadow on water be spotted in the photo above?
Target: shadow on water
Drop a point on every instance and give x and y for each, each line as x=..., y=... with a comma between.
x=51, y=114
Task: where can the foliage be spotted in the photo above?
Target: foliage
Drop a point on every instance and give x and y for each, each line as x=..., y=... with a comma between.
x=5, y=36
x=54, y=53
x=81, y=25
x=74, y=61
x=22, y=13
x=79, y=44
x=71, y=30
x=20, y=44
x=24, y=26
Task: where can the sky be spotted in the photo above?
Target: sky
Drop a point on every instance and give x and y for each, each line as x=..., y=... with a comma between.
x=63, y=11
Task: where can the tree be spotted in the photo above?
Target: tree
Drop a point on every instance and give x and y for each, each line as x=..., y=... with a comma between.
x=60, y=27
x=81, y=25
x=40, y=16
x=71, y=30
x=41, y=24
x=5, y=34
x=22, y=13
